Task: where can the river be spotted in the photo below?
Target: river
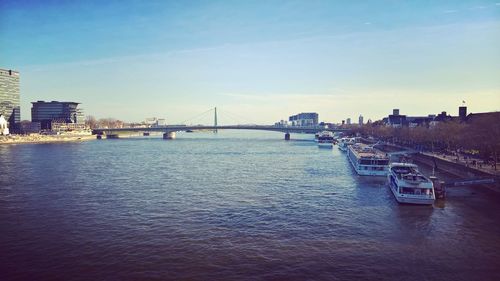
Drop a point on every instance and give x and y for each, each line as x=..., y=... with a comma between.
x=227, y=206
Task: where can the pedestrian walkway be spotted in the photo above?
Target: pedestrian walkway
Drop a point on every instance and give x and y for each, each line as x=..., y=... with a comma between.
x=473, y=163
x=467, y=161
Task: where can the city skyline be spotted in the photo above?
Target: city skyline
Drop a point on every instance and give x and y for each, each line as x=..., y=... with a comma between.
x=264, y=61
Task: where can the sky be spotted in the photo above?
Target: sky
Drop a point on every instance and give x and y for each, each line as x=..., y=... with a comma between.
x=258, y=60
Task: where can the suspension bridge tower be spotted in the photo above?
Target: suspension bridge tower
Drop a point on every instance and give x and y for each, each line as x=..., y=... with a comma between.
x=215, y=120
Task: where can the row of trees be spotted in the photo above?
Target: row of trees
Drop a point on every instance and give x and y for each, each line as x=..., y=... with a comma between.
x=94, y=123
x=480, y=135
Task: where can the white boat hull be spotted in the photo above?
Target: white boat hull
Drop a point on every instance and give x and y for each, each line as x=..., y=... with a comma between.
x=409, y=198
x=371, y=173
x=416, y=201
x=405, y=199
x=362, y=172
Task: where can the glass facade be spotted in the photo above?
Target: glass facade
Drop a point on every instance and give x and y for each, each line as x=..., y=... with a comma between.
x=304, y=119
x=9, y=97
x=61, y=112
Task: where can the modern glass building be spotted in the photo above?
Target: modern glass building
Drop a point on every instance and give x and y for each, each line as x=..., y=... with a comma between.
x=304, y=119
x=9, y=97
x=60, y=112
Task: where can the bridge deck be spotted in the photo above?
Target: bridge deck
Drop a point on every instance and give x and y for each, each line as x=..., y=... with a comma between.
x=176, y=128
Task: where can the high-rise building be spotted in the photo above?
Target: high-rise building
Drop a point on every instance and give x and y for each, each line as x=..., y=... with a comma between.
x=360, y=120
x=61, y=112
x=9, y=97
x=348, y=121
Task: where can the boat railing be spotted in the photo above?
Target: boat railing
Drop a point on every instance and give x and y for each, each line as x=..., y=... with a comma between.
x=413, y=178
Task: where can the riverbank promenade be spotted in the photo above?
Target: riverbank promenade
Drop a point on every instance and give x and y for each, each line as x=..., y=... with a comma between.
x=467, y=161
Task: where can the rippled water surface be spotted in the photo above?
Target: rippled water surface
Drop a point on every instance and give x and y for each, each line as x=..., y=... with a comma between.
x=231, y=206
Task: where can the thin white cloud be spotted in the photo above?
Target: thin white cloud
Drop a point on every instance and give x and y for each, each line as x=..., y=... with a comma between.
x=450, y=11
x=172, y=53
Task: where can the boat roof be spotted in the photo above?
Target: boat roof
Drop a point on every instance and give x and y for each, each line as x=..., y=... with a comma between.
x=366, y=151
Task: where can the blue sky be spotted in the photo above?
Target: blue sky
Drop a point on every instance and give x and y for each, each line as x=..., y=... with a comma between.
x=263, y=60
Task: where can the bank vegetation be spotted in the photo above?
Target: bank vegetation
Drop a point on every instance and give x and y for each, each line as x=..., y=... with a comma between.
x=480, y=136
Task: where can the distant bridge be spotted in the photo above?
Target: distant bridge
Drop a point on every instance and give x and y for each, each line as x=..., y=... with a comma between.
x=169, y=131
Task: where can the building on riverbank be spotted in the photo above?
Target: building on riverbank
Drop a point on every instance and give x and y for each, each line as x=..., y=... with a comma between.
x=397, y=120
x=494, y=116
x=26, y=127
x=56, y=114
x=4, y=128
x=304, y=119
x=9, y=97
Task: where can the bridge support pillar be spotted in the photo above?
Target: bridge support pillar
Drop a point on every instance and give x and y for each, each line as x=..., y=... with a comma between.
x=287, y=136
x=169, y=136
x=99, y=137
x=112, y=136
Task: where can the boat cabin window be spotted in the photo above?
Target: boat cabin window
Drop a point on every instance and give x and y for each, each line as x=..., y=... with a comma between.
x=374, y=162
x=416, y=191
x=383, y=162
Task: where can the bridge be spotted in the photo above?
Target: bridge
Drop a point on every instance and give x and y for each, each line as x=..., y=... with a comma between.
x=170, y=130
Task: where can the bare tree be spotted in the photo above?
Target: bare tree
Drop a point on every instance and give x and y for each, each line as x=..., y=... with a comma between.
x=91, y=122
x=481, y=134
x=107, y=123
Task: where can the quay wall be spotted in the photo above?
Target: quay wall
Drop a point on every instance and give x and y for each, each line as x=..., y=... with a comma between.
x=457, y=171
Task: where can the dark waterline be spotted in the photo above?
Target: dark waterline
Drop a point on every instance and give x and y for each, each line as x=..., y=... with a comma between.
x=231, y=206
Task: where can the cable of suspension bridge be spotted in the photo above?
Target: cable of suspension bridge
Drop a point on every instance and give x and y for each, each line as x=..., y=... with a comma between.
x=233, y=117
x=196, y=116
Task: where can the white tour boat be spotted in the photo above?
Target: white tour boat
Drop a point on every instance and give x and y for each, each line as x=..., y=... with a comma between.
x=325, y=139
x=368, y=161
x=409, y=185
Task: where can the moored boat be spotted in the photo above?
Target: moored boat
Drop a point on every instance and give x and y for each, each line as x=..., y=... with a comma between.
x=344, y=143
x=325, y=139
x=409, y=185
x=368, y=161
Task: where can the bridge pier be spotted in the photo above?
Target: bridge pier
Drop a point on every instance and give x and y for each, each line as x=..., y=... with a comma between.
x=169, y=135
x=287, y=136
x=112, y=136
x=99, y=137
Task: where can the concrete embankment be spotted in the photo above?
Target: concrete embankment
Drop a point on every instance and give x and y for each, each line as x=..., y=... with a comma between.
x=36, y=138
